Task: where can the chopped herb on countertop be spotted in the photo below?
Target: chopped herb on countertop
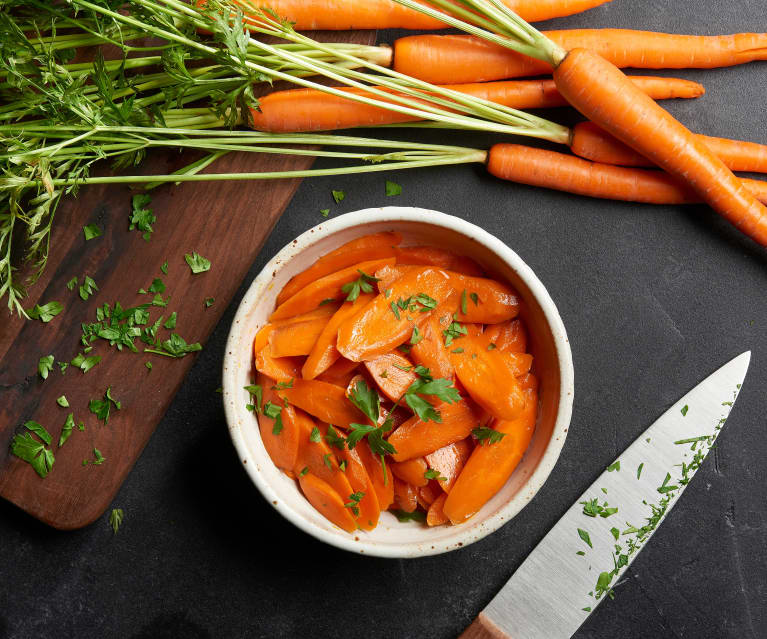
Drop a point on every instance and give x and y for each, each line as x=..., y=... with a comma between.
x=45, y=365
x=116, y=519
x=392, y=188
x=45, y=312
x=92, y=231
x=197, y=262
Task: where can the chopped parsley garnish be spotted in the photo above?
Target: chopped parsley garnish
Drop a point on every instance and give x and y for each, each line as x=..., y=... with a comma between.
x=99, y=458
x=585, y=537
x=378, y=445
x=32, y=451
x=342, y=466
x=175, y=346
x=354, y=502
x=474, y=298
x=334, y=439
x=491, y=346
x=580, y=553
x=326, y=458
x=66, y=431
x=327, y=300
x=142, y=218
x=274, y=411
x=454, y=331
x=197, y=263
x=101, y=408
x=85, y=363
x=63, y=401
x=315, y=436
x=664, y=487
x=434, y=474
x=209, y=301
x=392, y=188
x=395, y=310
x=303, y=472
x=366, y=399
x=487, y=436
x=338, y=196
x=616, y=465
x=363, y=283
x=616, y=533
x=283, y=385
x=72, y=283
x=639, y=470
x=684, y=410
x=403, y=516
x=457, y=350
x=325, y=212
x=45, y=365
x=46, y=312
x=255, y=391
x=116, y=519
x=92, y=231
x=164, y=267
x=63, y=367
x=170, y=323
x=442, y=389
x=464, y=303
x=416, y=337
x=157, y=286
x=87, y=287
x=592, y=509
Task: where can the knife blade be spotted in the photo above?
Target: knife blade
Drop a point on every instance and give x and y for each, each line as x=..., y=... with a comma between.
x=573, y=569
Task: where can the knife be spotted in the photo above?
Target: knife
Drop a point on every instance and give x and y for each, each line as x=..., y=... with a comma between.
x=576, y=565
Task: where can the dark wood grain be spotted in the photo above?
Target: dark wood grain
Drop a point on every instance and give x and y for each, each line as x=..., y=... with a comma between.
x=227, y=222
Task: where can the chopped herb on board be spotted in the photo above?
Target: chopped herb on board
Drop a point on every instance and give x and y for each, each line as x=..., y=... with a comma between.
x=87, y=287
x=45, y=312
x=197, y=262
x=63, y=401
x=142, y=218
x=33, y=451
x=45, y=365
x=92, y=231
x=101, y=408
x=66, y=431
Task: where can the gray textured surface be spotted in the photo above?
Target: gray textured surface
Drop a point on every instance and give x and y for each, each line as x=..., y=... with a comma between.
x=654, y=298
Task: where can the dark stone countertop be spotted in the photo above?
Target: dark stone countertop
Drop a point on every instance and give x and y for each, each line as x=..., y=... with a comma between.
x=654, y=298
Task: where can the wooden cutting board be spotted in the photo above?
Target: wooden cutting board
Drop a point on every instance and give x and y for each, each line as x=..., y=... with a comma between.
x=226, y=222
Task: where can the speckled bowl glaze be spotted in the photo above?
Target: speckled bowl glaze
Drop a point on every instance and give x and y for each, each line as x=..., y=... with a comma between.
x=548, y=344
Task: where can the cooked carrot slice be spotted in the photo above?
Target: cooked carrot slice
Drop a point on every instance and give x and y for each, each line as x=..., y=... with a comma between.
x=358, y=477
x=490, y=377
x=281, y=446
x=327, y=502
x=490, y=465
x=297, y=338
x=507, y=336
x=326, y=402
x=393, y=373
x=449, y=461
x=340, y=372
x=368, y=247
x=262, y=337
x=383, y=483
x=428, y=494
x=411, y=471
x=327, y=287
x=280, y=369
x=405, y=497
x=324, y=352
x=495, y=302
x=432, y=256
x=416, y=438
x=381, y=326
x=316, y=457
x=431, y=351
x=435, y=515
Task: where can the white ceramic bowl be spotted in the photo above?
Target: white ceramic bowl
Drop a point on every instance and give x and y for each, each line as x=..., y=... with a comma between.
x=548, y=344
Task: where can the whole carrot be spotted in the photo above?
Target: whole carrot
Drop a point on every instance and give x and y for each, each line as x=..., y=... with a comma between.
x=561, y=172
x=455, y=59
x=594, y=143
x=334, y=15
x=295, y=110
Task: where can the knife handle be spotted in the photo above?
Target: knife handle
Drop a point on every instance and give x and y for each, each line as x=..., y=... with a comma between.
x=483, y=628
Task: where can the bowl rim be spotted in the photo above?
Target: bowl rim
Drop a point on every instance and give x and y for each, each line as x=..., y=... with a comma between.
x=463, y=535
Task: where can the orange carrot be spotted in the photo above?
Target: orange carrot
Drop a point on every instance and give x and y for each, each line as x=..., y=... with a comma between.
x=509, y=336
x=594, y=143
x=280, y=369
x=449, y=461
x=411, y=471
x=317, y=458
x=428, y=494
x=384, y=14
x=282, y=446
x=435, y=515
x=383, y=483
x=431, y=351
x=456, y=59
x=327, y=501
x=296, y=110
x=490, y=377
x=432, y=256
x=327, y=287
x=549, y=169
x=490, y=465
x=325, y=401
x=324, y=352
x=416, y=438
x=262, y=337
x=605, y=96
x=367, y=247
x=392, y=373
x=405, y=497
x=296, y=338
x=340, y=373
x=377, y=329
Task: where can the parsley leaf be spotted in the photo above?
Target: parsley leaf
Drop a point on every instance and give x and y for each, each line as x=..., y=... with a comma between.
x=164, y=267
x=87, y=287
x=100, y=459
x=334, y=439
x=209, y=301
x=434, y=474
x=256, y=392
x=366, y=400
x=585, y=536
x=157, y=286
x=66, y=431
x=142, y=218
x=354, y=502
x=46, y=312
x=392, y=188
x=454, y=331
x=303, y=472
x=32, y=451
x=92, y=231
x=197, y=263
x=403, y=516
x=325, y=212
x=45, y=365
x=639, y=470
x=175, y=346
x=416, y=337
x=363, y=283
x=442, y=389
x=116, y=519
x=338, y=196
x=63, y=401
x=474, y=298
x=315, y=436
x=616, y=465
x=85, y=363
x=171, y=321
x=101, y=407
x=487, y=436
x=684, y=410
x=38, y=430
x=464, y=305
x=72, y=283
x=274, y=411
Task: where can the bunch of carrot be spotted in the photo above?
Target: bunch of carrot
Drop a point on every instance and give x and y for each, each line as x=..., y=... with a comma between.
x=395, y=377
x=627, y=128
